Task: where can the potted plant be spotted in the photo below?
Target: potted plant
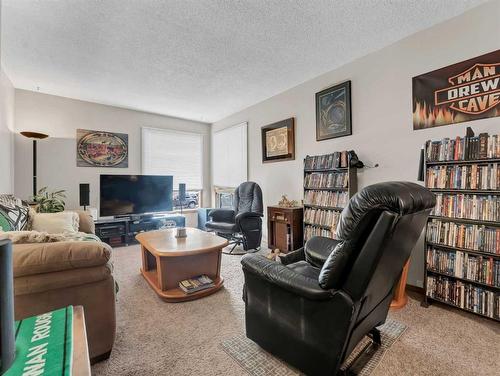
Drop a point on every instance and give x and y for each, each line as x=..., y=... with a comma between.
x=49, y=202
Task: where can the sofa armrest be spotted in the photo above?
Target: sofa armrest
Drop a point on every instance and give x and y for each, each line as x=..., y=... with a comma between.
x=284, y=277
x=38, y=258
x=222, y=215
x=86, y=222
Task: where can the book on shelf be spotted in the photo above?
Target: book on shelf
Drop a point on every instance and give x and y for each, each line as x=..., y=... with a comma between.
x=481, y=269
x=464, y=295
x=462, y=253
x=195, y=284
x=468, y=236
x=326, y=198
x=468, y=206
x=329, y=218
x=472, y=177
x=464, y=148
x=338, y=159
x=326, y=180
x=311, y=230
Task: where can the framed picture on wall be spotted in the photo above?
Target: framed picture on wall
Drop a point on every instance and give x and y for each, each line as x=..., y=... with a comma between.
x=333, y=112
x=101, y=149
x=278, y=141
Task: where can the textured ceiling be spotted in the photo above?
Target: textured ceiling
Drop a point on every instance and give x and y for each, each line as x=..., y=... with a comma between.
x=197, y=59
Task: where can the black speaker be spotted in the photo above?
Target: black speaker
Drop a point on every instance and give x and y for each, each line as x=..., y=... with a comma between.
x=182, y=192
x=84, y=195
x=421, y=172
x=7, y=336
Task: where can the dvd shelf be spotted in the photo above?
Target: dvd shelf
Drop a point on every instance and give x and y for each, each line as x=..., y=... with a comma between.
x=462, y=242
x=329, y=183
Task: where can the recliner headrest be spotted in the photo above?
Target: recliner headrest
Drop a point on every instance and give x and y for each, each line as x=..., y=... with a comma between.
x=360, y=215
x=248, y=198
x=399, y=197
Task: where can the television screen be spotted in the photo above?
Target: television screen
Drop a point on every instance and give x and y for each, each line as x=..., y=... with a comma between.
x=135, y=194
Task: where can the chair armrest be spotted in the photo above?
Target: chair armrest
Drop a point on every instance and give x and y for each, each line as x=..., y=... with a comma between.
x=284, y=277
x=240, y=217
x=291, y=257
x=222, y=215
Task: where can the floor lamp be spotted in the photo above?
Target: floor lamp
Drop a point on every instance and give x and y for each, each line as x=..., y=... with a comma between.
x=34, y=136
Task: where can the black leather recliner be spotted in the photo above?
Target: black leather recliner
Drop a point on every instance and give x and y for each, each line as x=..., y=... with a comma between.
x=313, y=309
x=243, y=225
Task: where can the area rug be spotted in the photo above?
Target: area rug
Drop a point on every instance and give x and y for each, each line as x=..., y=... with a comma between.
x=258, y=362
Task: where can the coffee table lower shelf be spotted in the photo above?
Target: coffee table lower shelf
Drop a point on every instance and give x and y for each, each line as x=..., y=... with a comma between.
x=176, y=294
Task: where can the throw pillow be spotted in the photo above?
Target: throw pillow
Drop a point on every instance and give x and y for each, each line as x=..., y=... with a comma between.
x=13, y=213
x=56, y=223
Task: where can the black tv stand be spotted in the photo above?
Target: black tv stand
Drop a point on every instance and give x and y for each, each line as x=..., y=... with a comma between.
x=121, y=231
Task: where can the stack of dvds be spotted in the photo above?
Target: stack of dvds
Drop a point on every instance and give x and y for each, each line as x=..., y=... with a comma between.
x=473, y=237
x=463, y=231
x=310, y=231
x=476, y=207
x=326, y=180
x=465, y=148
x=464, y=295
x=334, y=199
x=460, y=264
x=328, y=218
x=475, y=176
x=329, y=182
x=339, y=159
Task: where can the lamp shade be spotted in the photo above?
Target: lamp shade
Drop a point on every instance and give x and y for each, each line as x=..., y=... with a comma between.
x=35, y=135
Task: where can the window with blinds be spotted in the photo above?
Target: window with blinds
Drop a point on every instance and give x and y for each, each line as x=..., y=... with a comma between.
x=229, y=156
x=176, y=153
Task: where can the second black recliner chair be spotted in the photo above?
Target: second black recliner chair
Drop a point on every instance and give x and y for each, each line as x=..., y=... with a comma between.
x=243, y=224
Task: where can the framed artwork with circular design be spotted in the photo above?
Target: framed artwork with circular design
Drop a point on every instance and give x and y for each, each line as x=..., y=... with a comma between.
x=101, y=149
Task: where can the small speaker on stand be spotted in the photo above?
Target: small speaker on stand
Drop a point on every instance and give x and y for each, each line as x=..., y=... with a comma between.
x=181, y=231
x=7, y=336
x=182, y=194
x=84, y=195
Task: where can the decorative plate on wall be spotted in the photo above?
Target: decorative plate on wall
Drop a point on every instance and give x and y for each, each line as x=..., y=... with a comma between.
x=101, y=149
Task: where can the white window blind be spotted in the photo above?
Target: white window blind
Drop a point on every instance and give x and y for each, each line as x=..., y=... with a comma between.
x=168, y=152
x=229, y=156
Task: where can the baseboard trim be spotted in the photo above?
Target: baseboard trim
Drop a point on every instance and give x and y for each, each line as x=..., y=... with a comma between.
x=419, y=290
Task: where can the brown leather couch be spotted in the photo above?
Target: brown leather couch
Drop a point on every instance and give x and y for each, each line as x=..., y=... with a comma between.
x=48, y=276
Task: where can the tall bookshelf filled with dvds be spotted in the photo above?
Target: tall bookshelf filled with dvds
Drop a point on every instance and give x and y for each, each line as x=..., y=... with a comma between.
x=462, y=243
x=329, y=183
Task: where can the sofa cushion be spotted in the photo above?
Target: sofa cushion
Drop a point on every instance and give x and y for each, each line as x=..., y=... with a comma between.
x=86, y=222
x=29, y=259
x=13, y=213
x=306, y=269
x=56, y=223
x=32, y=284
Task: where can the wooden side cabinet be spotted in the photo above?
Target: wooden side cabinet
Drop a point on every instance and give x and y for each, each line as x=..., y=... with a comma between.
x=284, y=228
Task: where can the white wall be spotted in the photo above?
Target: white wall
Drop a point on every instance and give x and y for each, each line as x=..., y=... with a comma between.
x=6, y=134
x=381, y=110
x=6, y=127
x=59, y=118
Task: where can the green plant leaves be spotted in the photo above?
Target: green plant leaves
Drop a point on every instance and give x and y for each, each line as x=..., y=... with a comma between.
x=50, y=202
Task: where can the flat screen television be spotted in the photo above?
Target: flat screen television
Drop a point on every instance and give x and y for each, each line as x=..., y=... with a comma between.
x=135, y=194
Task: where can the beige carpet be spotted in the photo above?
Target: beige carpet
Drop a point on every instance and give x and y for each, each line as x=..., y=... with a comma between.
x=158, y=338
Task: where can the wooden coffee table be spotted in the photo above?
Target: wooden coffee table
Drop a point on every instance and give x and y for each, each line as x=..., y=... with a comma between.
x=167, y=260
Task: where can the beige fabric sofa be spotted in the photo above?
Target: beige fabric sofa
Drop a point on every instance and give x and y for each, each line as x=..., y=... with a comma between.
x=49, y=276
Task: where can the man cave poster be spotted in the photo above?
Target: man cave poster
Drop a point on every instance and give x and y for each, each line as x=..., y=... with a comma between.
x=466, y=91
